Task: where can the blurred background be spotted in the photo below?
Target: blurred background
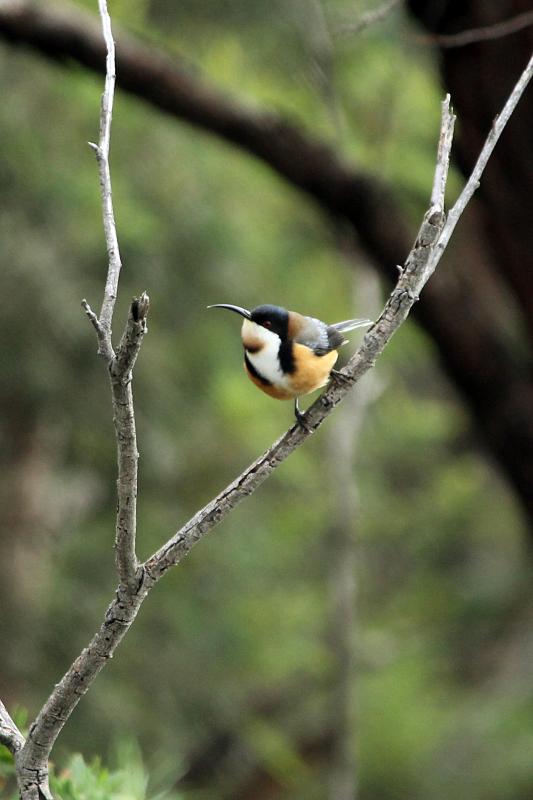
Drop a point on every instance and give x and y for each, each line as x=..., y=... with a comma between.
x=363, y=625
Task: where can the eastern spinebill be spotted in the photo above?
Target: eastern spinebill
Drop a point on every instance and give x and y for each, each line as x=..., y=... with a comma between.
x=287, y=354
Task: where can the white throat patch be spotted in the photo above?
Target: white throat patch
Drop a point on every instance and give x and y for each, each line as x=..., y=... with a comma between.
x=265, y=360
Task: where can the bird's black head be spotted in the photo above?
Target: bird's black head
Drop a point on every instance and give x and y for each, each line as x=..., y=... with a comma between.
x=273, y=318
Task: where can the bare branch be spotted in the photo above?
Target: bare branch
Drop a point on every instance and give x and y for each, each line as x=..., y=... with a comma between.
x=484, y=33
x=95, y=322
x=101, y=150
x=443, y=155
x=127, y=454
x=121, y=364
x=32, y=760
x=490, y=143
x=395, y=312
x=473, y=35
x=412, y=278
x=378, y=14
x=420, y=264
x=123, y=609
x=130, y=594
x=433, y=236
x=10, y=736
x=67, y=34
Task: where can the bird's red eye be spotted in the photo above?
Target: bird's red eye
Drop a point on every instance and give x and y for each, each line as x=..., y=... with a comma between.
x=267, y=324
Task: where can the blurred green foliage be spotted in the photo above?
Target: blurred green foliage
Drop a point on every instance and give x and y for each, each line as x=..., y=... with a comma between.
x=444, y=634
x=81, y=781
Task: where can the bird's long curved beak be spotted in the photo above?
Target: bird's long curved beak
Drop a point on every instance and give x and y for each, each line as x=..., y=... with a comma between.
x=238, y=310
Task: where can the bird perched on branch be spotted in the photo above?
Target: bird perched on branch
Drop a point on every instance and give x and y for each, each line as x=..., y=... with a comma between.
x=287, y=354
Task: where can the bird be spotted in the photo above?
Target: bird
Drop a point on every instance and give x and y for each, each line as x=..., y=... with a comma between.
x=287, y=354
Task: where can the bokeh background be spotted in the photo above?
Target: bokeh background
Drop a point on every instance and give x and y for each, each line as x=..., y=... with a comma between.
x=363, y=624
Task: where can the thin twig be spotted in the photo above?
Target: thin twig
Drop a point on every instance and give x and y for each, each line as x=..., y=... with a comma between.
x=378, y=14
x=95, y=322
x=102, y=156
x=445, y=40
x=490, y=143
x=482, y=34
x=10, y=736
x=443, y=156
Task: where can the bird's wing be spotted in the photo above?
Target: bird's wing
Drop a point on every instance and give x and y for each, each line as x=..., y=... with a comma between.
x=322, y=338
x=319, y=337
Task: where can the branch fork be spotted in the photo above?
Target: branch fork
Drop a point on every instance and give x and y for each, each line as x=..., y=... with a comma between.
x=136, y=580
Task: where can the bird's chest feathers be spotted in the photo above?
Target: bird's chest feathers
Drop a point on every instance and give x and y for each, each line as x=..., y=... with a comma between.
x=262, y=349
x=283, y=369
x=266, y=363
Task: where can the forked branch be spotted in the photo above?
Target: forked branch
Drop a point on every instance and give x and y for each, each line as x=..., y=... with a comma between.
x=10, y=736
x=413, y=276
x=32, y=755
x=136, y=581
x=120, y=365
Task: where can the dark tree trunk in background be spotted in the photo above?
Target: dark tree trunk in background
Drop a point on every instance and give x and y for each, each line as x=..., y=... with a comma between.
x=479, y=77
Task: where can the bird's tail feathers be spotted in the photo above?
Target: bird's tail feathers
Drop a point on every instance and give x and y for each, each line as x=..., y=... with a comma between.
x=350, y=324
